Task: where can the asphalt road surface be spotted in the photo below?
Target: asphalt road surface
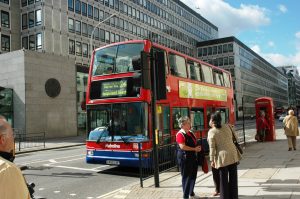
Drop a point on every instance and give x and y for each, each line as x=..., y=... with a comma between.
x=63, y=174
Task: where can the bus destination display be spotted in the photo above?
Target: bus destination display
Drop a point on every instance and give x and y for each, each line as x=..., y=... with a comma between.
x=114, y=88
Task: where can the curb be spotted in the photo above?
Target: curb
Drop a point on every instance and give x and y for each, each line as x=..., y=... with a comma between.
x=46, y=149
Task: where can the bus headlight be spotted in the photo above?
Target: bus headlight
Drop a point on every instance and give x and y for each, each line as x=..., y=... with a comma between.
x=90, y=152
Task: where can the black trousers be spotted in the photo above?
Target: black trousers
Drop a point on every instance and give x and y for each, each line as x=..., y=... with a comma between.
x=188, y=169
x=228, y=182
x=216, y=178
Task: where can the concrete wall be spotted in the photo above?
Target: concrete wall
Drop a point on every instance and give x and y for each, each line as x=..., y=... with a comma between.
x=56, y=116
x=26, y=72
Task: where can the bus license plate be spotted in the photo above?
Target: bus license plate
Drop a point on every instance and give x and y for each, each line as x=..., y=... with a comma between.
x=112, y=162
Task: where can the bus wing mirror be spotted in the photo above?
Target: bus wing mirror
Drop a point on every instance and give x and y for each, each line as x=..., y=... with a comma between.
x=146, y=73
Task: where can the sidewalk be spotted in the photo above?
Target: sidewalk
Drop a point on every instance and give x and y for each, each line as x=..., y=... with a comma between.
x=55, y=143
x=268, y=170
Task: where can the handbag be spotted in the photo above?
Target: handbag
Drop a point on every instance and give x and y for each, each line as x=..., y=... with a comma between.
x=205, y=166
x=235, y=142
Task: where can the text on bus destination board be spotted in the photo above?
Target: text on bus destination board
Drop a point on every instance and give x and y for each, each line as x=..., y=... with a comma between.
x=114, y=88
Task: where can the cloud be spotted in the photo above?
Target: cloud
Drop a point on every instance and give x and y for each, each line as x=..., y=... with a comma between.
x=271, y=44
x=297, y=35
x=277, y=59
x=228, y=19
x=282, y=8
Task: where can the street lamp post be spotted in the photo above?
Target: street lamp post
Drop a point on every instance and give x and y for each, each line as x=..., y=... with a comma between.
x=92, y=35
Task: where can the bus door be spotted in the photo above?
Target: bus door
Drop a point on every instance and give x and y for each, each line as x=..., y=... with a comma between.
x=197, y=119
x=163, y=123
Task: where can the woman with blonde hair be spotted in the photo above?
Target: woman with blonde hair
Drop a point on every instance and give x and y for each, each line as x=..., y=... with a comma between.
x=291, y=129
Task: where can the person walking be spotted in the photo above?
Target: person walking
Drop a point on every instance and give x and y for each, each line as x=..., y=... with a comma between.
x=262, y=127
x=291, y=129
x=187, y=157
x=224, y=156
x=12, y=182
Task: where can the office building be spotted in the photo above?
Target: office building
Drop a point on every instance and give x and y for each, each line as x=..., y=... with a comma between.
x=292, y=74
x=252, y=75
x=63, y=28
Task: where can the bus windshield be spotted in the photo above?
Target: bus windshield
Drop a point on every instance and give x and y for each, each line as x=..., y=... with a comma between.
x=122, y=122
x=118, y=59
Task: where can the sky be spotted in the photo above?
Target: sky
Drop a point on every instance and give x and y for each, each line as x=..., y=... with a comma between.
x=269, y=27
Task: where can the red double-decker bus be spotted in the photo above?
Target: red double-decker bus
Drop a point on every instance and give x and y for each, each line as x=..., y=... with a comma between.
x=119, y=99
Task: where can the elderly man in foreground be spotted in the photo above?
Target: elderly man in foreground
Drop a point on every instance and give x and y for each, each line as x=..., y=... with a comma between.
x=12, y=182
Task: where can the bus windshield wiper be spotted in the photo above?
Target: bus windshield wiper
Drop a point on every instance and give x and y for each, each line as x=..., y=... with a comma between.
x=124, y=139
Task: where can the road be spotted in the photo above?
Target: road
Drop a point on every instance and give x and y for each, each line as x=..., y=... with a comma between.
x=63, y=174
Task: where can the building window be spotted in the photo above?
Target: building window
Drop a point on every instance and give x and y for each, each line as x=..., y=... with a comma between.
x=38, y=17
x=78, y=27
x=71, y=25
x=84, y=29
x=107, y=35
x=102, y=35
x=32, y=42
x=78, y=6
x=5, y=19
x=39, y=41
x=90, y=11
x=96, y=13
x=71, y=5
x=101, y=15
x=30, y=2
x=5, y=43
x=84, y=9
x=84, y=50
x=71, y=47
x=25, y=42
x=78, y=48
x=90, y=30
x=112, y=37
x=24, y=3
x=31, y=19
x=24, y=21
x=96, y=34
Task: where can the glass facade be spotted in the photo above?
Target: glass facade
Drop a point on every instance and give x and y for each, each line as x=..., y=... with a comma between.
x=6, y=104
x=252, y=76
x=81, y=81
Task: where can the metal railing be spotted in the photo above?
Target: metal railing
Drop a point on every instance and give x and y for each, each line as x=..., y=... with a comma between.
x=166, y=160
x=28, y=140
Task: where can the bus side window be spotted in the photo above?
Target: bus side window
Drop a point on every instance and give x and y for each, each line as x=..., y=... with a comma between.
x=226, y=80
x=177, y=65
x=218, y=78
x=207, y=74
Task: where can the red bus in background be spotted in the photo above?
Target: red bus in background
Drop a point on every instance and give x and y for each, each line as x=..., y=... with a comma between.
x=118, y=100
x=279, y=111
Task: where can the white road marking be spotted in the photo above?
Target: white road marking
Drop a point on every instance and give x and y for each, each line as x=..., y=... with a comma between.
x=56, y=162
x=47, y=160
x=41, y=189
x=56, y=191
x=78, y=168
x=52, y=161
x=73, y=194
